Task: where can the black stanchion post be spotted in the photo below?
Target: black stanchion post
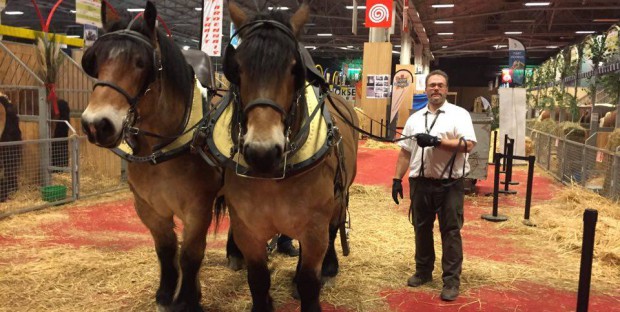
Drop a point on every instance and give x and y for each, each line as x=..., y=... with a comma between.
x=371, y=121
x=494, y=144
x=587, y=250
x=511, y=163
x=528, y=193
x=505, y=153
x=508, y=161
x=381, y=128
x=495, y=217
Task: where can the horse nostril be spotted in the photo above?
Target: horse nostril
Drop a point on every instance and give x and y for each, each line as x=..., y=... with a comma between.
x=277, y=150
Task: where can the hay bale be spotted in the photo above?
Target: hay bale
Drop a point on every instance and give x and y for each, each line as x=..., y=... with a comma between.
x=614, y=140
x=545, y=126
x=571, y=130
x=363, y=119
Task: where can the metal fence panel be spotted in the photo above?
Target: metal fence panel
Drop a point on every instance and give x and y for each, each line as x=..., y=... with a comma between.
x=573, y=162
x=30, y=180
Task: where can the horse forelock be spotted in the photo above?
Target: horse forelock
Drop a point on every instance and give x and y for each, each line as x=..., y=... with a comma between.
x=266, y=52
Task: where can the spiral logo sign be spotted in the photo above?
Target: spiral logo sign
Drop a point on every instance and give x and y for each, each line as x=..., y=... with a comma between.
x=379, y=13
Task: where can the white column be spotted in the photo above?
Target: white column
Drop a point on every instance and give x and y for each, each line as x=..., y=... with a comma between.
x=378, y=34
x=405, y=49
x=418, y=58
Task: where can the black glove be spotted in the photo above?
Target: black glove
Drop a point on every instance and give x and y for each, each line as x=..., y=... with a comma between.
x=426, y=140
x=397, y=189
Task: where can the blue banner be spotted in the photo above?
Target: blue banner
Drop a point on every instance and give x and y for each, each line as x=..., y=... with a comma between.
x=516, y=61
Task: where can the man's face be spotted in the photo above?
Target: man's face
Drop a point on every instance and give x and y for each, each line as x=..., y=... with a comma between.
x=436, y=89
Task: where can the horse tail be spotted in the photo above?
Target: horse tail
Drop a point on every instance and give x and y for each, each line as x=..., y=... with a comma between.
x=220, y=210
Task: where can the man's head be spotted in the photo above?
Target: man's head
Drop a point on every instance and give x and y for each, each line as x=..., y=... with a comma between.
x=437, y=87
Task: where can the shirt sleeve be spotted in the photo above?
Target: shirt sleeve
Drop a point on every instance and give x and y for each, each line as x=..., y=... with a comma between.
x=407, y=131
x=466, y=128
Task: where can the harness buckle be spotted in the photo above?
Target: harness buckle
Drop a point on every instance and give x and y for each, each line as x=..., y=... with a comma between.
x=153, y=157
x=133, y=130
x=334, y=137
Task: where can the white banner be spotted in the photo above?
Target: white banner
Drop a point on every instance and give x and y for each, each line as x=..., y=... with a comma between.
x=88, y=12
x=212, y=27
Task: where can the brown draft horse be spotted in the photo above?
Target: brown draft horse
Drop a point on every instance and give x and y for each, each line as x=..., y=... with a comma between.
x=143, y=96
x=268, y=79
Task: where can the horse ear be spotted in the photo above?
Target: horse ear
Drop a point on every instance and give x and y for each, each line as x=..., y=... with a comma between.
x=150, y=15
x=236, y=14
x=108, y=17
x=299, y=19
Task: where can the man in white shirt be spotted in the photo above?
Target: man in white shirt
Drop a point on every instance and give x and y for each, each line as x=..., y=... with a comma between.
x=436, y=155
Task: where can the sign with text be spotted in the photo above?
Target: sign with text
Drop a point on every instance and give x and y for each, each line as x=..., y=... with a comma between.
x=211, y=42
x=88, y=12
x=379, y=13
x=516, y=60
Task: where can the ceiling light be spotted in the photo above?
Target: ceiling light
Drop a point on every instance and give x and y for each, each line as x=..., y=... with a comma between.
x=359, y=7
x=397, y=45
x=585, y=32
x=551, y=47
x=443, y=47
x=278, y=8
x=72, y=11
x=185, y=48
x=135, y=10
x=537, y=3
x=350, y=47
x=442, y=6
x=445, y=34
x=606, y=20
x=523, y=21
x=324, y=35
x=198, y=9
x=311, y=47
x=194, y=40
x=499, y=46
x=513, y=32
x=395, y=52
x=443, y=22
x=13, y=12
x=343, y=48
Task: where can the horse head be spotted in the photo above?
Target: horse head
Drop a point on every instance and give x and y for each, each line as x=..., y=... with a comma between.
x=133, y=88
x=268, y=74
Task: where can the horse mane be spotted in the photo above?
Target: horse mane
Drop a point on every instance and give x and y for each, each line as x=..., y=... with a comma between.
x=177, y=77
x=271, y=53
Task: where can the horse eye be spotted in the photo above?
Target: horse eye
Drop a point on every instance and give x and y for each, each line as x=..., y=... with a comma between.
x=139, y=63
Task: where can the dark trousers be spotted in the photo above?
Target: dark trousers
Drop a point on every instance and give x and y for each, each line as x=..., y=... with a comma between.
x=444, y=198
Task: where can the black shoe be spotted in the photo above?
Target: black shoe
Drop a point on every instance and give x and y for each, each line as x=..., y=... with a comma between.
x=418, y=280
x=288, y=249
x=449, y=293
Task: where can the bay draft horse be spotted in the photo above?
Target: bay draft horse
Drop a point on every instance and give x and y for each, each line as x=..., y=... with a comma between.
x=143, y=96
x=268, y=79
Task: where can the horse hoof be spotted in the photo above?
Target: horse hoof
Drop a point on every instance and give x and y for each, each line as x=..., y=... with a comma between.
x=235, y=263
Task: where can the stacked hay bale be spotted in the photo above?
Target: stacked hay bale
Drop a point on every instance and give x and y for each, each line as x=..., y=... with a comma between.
x=529, y=146
x=571, y=130
x=364, y=121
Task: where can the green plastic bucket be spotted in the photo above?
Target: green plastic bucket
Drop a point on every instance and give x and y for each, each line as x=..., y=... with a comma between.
x=52, y=193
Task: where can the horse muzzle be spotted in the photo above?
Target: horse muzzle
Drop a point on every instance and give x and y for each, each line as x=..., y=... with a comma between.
x=101, y=132
x=263, y=159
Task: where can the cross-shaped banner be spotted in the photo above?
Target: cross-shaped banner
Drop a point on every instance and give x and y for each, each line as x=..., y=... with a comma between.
x=211, y=42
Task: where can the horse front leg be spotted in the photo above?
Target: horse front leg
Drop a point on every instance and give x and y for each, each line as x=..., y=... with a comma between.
x=308, y=278
x=192, y=254
x=162, y=230
x=259, y=278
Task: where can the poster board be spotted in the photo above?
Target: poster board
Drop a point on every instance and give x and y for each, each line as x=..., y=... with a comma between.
x=512, y=113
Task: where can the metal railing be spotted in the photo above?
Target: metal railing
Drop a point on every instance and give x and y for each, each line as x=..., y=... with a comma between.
x=573, y=162
x=48, y=172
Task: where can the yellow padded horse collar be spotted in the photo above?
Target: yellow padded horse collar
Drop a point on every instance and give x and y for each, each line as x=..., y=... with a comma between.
x=318, y=142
